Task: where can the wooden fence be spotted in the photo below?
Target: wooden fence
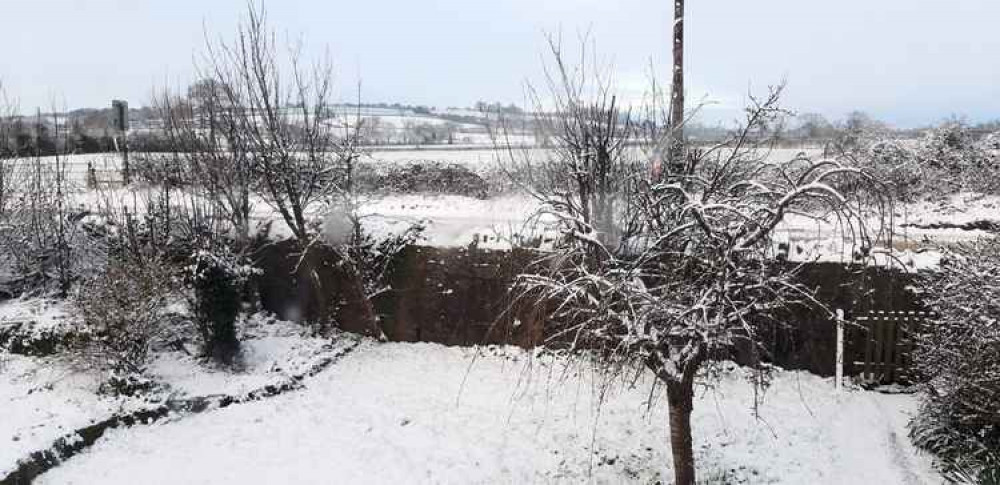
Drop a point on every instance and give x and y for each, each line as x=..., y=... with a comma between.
x=459, y=296
x=881, y=345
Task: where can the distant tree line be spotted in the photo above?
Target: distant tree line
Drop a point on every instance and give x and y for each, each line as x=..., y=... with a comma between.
x=83, y=131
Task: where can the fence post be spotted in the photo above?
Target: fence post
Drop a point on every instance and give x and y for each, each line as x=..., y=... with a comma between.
x=840, y=350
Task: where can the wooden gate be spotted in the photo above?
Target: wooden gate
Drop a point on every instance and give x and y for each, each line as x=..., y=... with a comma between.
x=882, y=344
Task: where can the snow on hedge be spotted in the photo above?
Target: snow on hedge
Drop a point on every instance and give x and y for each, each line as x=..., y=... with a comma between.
x=423, y=413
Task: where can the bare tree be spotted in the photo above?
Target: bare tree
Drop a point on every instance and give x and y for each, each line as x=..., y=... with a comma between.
x=40, y=243
x=585, y=171
x=8, y=153
x=277, y=112
x=279, y=118
x=698, y=273
x=207, y=151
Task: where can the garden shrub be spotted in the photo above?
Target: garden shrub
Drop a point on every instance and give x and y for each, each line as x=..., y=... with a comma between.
x=958, y=357
x=947, y=160
x=123, y=317
x=956, y=161
x=217, y=278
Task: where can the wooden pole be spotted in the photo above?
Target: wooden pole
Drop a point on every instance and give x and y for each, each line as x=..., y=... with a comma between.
x=677, y=163
x=840, y=350
x=126, y=176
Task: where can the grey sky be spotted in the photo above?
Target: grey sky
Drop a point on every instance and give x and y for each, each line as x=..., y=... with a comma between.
x=907, y=61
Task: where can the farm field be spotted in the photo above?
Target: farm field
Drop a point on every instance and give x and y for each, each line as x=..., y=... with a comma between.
x=502, y=220
x=480, y=158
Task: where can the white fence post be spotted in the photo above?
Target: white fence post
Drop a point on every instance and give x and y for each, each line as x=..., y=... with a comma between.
x=840, y=349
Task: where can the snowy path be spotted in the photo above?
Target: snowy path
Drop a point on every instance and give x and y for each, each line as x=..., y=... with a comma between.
x=912, y=465
x=418, y=413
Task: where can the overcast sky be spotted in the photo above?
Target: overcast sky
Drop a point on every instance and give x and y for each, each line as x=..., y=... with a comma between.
x=910, y=62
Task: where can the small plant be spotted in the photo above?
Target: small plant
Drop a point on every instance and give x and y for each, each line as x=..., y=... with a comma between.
x=122, y=312
x=126, y=384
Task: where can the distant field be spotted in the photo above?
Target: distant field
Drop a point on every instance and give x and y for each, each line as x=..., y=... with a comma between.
x=479, y=157
x=488, y=157
x=458, y=221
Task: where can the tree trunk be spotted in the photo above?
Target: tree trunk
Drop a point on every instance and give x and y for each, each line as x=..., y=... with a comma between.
x=362, y=306
x=680, y=398
x=676, y=155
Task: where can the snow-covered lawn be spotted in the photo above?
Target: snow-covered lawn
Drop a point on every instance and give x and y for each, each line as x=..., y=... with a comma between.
x=41, y=399
x=44, y=399
x=271, y=351
x=423, y=413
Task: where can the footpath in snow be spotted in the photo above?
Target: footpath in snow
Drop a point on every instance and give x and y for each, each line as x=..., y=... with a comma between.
x=423, y=413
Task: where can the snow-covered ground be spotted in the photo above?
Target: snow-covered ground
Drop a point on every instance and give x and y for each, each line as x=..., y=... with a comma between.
x=478, y=155
x=458, y=221
x=452, y=220
x=46, y=314
x=423, y=413
x=44, y=399
x=476, y=159
x=958, y=209
x=271, y=351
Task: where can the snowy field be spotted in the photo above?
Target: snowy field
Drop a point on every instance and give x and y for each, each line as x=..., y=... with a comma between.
x=423, y=413
x=479, y=157
x=503, y=220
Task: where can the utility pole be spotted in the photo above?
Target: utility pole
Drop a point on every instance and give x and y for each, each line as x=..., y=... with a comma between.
x=119, y=121
x=676, y=155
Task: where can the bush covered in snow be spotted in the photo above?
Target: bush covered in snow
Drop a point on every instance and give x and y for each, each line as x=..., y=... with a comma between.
x=959, y=161
x=948, y=159
x=959, y=356
x=218, y=278
x=123, y=315
x=896, y=165
x=42, y=245
x=991, y=143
